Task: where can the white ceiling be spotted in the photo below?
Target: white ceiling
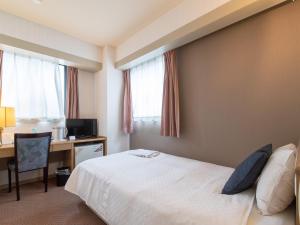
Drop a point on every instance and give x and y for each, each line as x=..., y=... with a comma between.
x=96, y=21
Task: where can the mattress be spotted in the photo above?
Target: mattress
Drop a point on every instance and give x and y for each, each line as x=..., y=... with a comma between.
x=124, y=189
x=286, y=217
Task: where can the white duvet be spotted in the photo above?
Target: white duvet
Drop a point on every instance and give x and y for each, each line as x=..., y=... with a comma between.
x=124, y=189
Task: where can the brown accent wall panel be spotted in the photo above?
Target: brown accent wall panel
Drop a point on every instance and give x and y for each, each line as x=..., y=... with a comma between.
x=239, y=90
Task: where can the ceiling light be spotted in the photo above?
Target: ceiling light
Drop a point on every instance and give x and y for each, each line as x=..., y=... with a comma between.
x=37, y=1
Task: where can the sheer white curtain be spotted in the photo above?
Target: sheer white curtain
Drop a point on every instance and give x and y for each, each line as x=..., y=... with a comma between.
x=147, y=89
x=33, y=86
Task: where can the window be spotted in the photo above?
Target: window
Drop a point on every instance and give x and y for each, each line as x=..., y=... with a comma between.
x=33, y=86
x=147, y=89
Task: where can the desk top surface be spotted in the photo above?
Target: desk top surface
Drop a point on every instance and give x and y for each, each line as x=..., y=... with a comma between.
x=57, y=142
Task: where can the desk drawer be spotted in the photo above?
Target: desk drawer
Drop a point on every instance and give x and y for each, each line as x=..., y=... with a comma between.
x=61, y=147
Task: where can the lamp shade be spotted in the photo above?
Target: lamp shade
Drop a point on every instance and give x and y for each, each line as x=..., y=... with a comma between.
x=7, y=117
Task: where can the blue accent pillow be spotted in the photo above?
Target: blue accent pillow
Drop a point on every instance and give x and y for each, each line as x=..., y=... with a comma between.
x=246, y=174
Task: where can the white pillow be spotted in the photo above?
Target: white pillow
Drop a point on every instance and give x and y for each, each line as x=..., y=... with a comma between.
x=275, y=187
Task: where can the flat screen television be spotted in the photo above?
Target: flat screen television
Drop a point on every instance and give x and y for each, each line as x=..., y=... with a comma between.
x=82, y=128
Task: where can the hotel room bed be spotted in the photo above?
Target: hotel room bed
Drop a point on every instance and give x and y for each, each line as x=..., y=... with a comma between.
x=124, y=189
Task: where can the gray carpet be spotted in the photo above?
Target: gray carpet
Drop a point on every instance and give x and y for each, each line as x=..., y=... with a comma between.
x=56, y=207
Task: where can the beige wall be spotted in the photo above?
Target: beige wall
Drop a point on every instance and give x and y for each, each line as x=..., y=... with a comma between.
x=239, y=90
x=86, y=86
x=109, y=89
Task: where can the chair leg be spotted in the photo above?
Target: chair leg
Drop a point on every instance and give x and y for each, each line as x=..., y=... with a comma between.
x=17, y=186
x=46, y=178
x=9, y=180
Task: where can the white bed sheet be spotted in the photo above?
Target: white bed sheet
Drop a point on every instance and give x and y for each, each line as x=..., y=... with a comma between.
x=286, y=217
x=124, y=189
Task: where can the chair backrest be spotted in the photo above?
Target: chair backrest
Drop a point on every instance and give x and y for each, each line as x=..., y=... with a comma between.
x=32, y=151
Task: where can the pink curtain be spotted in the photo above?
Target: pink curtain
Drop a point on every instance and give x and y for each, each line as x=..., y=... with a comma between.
x=127, y=104
x=1, y=59
x=72, y=101
x=170, y=120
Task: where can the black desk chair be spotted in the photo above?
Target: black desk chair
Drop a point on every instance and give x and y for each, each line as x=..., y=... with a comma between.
x=31, y=153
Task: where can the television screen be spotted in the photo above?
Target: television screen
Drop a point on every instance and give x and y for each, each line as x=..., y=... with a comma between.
x=82, y=128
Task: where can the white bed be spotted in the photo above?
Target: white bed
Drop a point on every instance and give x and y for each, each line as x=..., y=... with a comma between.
x=124, y=189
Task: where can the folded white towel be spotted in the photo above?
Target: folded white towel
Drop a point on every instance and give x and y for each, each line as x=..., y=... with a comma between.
x=144, y=153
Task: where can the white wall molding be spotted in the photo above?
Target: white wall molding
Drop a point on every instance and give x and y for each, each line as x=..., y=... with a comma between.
x=147, y=43
x=25, y=35
x=20, y=46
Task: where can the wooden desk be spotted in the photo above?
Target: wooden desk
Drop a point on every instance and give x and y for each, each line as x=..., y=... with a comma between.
x=8, y=151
